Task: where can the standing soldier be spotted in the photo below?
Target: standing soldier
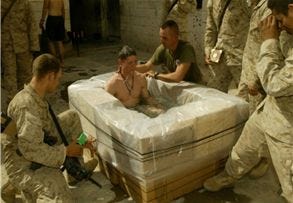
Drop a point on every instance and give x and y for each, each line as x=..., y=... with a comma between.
x=226, y=32
x=271, y=125
x=252, y=89
x=19, y=38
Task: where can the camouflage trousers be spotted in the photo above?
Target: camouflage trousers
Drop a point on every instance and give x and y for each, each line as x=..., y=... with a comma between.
x=253, y=100
x=45, y=184
x=244, y=155
x=222, y=76
x=179, y=14
x=17, y=71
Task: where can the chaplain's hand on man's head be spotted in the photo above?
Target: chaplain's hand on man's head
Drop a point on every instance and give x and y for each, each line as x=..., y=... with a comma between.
x=269, y=28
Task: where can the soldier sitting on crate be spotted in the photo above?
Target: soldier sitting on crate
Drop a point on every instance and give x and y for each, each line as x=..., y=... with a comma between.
x=130, y=87
x=34, y=152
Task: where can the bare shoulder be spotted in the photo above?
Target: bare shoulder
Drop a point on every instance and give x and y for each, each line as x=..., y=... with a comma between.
x=112, y=81
x=139, y=76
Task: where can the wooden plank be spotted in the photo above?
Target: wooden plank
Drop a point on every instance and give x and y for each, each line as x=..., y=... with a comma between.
x=172, y=188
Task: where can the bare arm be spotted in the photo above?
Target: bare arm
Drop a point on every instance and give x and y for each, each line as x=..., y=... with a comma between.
x=110, y=87
x=176, y=76
x=63, y=10
x=44, y=13
x=143, y=68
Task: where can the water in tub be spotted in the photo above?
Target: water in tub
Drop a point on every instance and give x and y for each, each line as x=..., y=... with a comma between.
x=153, y=111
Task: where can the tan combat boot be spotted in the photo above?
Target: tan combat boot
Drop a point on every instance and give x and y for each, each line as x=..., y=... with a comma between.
x=8, y=193
x=218, y=182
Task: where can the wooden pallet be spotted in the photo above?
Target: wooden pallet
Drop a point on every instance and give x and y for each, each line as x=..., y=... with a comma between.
x=162, y=189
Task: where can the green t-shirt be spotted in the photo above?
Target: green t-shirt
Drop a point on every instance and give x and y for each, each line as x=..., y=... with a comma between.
x=184, y=53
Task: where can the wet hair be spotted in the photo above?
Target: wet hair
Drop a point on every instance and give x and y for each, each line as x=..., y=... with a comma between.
x=280, y=6
x=45, y=64
x=125, y=52
x=172, y=25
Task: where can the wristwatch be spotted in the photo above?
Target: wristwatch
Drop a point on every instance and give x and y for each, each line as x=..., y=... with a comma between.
x=156, y=75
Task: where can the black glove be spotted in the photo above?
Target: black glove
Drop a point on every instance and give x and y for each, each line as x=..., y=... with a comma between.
x=74, y=168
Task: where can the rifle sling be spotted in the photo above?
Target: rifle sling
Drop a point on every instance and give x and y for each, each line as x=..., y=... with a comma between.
x=59, y=129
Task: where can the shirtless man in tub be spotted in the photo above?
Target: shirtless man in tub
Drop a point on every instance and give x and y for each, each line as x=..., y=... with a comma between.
x=130, y=87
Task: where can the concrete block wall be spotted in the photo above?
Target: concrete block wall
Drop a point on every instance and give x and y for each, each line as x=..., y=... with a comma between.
x=140, y=22
x=141, y=19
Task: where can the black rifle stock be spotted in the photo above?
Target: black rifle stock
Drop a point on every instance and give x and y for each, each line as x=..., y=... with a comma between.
x=72, y=164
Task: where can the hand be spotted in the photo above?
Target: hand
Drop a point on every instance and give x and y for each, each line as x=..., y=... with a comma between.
x=91, y=145
x=208, y=60
x=269, y=28
x=253, y=91
x=74, y=149
x=150, y=73
x=41, y=24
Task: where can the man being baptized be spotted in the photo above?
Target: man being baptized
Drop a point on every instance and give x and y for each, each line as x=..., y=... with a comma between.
x=130, y=87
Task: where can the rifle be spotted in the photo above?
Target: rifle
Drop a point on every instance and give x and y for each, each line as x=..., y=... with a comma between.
x=72, y=164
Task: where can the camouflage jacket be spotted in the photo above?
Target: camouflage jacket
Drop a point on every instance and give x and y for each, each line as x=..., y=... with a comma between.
x=33, y=120
x=275, y=70
x=19, y=32
x=252, y=47
x=231, y=35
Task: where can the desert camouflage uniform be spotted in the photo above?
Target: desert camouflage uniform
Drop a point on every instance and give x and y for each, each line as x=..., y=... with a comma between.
x=230, y=36
x=19, y=36
x=250, y=56
x=46, y=184
x=179, y=14
x=271, y=125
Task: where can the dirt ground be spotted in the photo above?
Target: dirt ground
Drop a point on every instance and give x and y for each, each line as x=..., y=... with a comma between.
x=100, y=57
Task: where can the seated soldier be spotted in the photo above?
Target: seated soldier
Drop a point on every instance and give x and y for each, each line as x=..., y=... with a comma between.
x=130, y=87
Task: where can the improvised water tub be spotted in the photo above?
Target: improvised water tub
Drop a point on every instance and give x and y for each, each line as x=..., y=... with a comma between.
x=198, y=131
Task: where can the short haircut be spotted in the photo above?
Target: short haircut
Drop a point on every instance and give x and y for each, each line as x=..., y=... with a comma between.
x=45, y=64
x=280, y=6
x=172, y=25
x=125, y=52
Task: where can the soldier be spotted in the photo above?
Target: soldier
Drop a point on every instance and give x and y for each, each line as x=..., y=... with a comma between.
x=226, y=31
x=177, y=57
x=19, y=38
x=252, y=88
x=272, y=123
x=34, y=125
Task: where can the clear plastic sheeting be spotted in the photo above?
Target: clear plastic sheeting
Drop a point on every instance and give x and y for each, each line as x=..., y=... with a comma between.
x=200, y=125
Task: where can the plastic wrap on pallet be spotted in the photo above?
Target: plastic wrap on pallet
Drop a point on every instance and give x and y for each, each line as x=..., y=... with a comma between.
x=200, y=125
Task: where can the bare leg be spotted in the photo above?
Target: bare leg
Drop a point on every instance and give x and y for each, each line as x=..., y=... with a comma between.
x=60, y=49
x=52, y=48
